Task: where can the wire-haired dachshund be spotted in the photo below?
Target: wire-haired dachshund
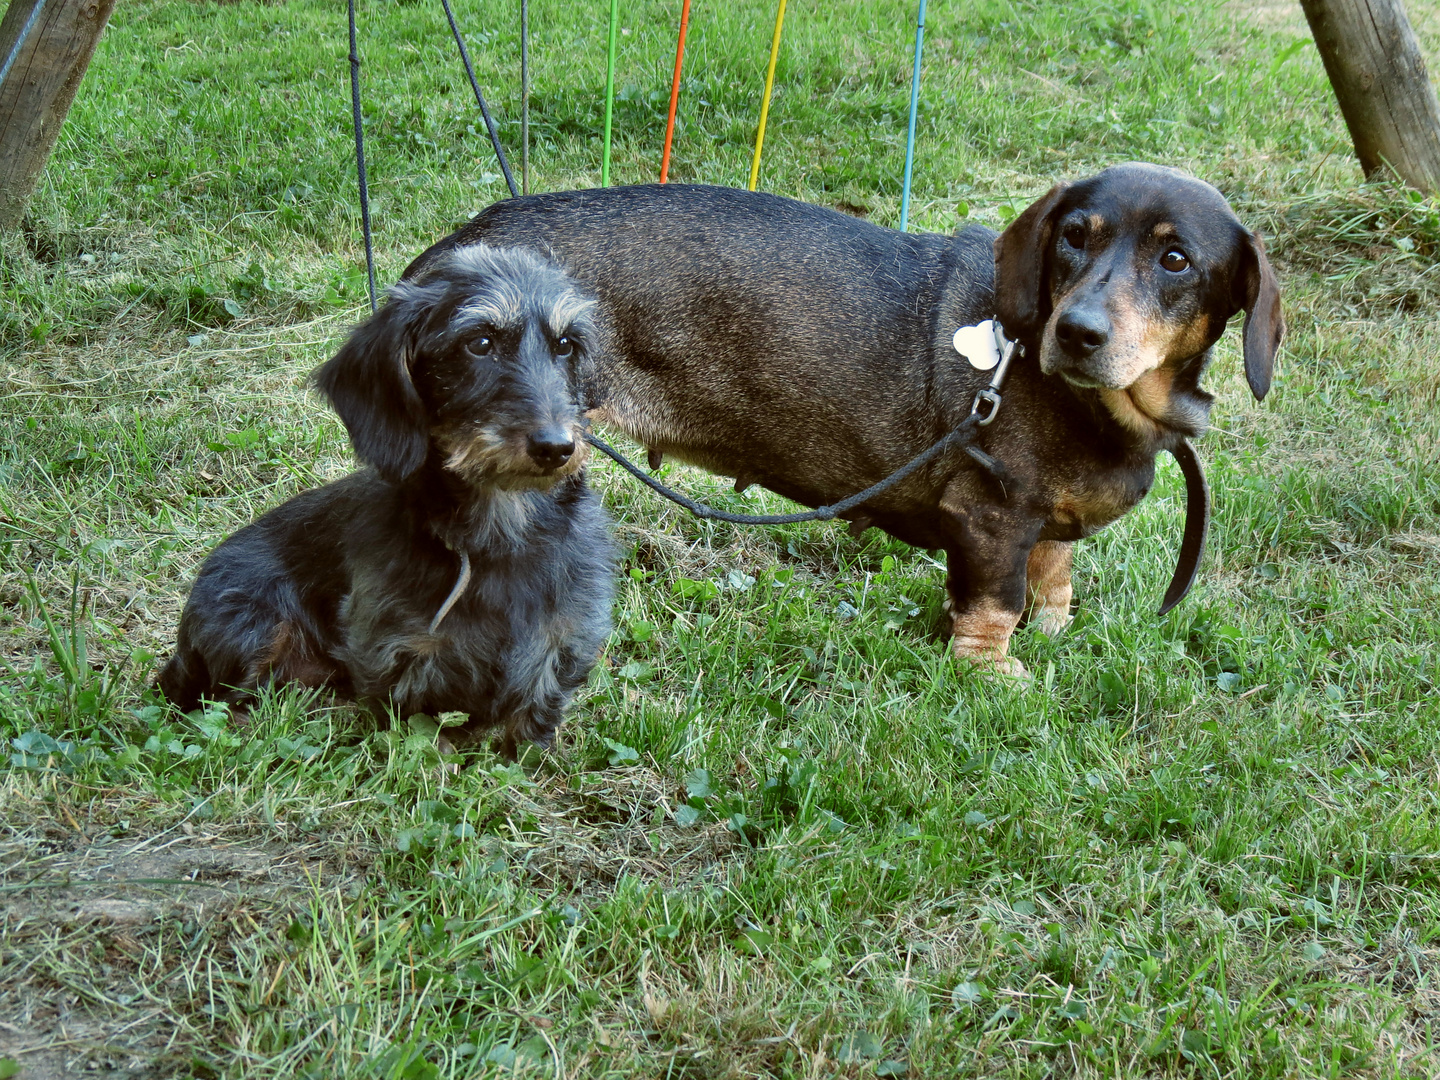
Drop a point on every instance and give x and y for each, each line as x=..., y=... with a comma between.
x=468, y=568
x=798, y=348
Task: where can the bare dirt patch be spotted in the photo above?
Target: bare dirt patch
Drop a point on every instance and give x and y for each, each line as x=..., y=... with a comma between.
x=109, y=939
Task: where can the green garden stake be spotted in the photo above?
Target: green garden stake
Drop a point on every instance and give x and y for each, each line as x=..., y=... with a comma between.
x=610, y=91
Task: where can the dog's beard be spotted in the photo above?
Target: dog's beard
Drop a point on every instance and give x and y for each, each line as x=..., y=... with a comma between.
x=484, y=457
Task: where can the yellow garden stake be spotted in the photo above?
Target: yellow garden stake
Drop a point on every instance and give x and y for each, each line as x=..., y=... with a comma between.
x=765, y=105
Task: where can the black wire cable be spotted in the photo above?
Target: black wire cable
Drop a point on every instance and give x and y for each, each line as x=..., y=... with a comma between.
x=480, y=100
x=360, y=160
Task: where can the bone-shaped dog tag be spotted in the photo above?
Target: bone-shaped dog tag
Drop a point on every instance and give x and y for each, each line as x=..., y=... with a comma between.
x=977, y=344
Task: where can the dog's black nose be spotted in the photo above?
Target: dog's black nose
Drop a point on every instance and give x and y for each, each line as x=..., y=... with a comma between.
x=550, y=447
x=1082, y=330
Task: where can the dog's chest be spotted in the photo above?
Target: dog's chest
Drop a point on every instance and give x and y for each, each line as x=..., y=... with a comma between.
x=501, y=644
x=1086, y=505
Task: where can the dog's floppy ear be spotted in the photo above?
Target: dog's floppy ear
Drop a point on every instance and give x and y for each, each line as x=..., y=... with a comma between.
x=1258, y=293
x=368, y=383
x=1022, y=298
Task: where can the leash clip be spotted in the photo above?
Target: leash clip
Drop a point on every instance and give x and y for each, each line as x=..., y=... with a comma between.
x=991, y=394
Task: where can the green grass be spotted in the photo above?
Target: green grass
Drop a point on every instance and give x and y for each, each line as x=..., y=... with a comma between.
x=782, y=835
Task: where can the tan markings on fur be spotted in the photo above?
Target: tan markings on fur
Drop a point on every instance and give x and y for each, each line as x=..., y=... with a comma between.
x=1048, y=588
x=1146, y=403
x=1176, y=342
x=274, y=656
x=1131, y=352
x=483, y=456
x=1091, y=508
x=1151, y=392
x=1133, y=348
x=1126, y=409
x=566, y=311
x=982, y=632
x=287, y=660
x=1165, y=231
x=424, y=646
x=1096, y=223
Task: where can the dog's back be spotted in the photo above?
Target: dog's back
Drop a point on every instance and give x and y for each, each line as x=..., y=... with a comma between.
x=264, y=605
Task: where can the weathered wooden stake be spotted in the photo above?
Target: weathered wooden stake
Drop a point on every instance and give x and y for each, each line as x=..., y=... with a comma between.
x=39, y=83
x=1379, y=76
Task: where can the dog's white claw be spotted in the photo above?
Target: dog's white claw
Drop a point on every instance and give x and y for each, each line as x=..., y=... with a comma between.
x=447, y=749
x=1052, y=622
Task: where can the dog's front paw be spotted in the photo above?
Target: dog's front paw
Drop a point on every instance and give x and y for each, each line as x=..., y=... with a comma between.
x=1000, y=667
x=981, y=637
x=1010, y=667
x=997, y=665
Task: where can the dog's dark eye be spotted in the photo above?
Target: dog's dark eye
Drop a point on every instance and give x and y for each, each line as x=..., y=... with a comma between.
x=565, y=348
x=481, y=346
x=1175, y=261
x=1074, y=235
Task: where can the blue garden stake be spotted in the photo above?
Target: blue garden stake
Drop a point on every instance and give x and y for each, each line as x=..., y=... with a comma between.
x=914, y=108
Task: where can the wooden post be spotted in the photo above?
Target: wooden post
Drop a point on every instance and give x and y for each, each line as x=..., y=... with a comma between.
x=1379, y=77
x=55, y=40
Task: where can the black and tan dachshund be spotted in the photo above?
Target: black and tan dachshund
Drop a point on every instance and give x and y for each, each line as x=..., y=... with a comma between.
x=468, y=568
x=801, y=349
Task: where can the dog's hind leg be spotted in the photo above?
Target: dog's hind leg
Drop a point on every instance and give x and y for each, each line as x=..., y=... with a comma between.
x=1048, y=588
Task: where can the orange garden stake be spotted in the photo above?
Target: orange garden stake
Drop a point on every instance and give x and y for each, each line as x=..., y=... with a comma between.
x=674, y=92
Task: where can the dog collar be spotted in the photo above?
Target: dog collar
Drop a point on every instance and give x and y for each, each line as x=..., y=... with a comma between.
x=461, y=584
x=1197, y=525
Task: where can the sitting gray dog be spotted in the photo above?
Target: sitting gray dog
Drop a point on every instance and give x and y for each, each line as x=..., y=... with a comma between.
x=469, y=568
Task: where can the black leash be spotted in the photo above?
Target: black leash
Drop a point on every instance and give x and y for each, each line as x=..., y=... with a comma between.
x=963, y=436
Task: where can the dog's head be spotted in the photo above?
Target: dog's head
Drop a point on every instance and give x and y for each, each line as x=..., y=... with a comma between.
x=477, y=361
x=1128, y=278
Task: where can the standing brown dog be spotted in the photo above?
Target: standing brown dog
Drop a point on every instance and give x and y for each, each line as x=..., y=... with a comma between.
x=798, y=348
